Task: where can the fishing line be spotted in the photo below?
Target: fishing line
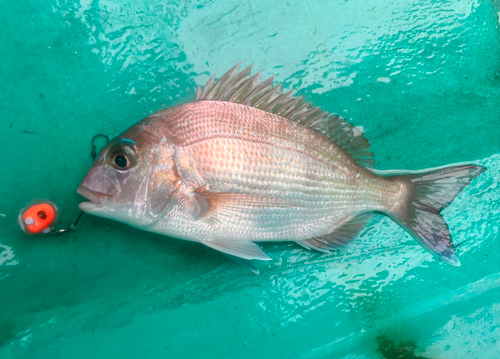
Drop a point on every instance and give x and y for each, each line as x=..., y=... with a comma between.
x=41, y=216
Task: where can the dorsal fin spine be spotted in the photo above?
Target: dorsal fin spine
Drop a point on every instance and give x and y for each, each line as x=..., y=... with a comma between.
x=245, y=88
x=319, y=119
x=264, y=87
x=255, y=78
x=280, y=101
x=230, y=82
x=265, y=97
x=312, y=119
x=298, y=110
x=238, y=82
x=289, y=105
x=285, y=102
x=307, y=116
x=239, y=90
x=290, y=110
x=209, y=86
x=222, y=80
x=277, y=99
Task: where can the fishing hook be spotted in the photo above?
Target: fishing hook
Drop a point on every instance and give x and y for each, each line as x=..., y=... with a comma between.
x=93, y=154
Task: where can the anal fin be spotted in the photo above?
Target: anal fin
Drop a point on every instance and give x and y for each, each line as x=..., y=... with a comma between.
x=341, y=235
x=242, y=249
x=244, y=262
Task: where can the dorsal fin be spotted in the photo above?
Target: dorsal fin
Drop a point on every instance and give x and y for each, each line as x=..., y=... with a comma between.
x=240, y=87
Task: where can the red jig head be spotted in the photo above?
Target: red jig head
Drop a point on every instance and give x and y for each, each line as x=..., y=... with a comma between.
x=38, y=217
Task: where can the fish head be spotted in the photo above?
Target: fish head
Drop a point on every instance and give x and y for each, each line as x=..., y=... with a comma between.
x=119, y=183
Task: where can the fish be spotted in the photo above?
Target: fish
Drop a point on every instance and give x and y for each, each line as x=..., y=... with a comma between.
x=247, y=162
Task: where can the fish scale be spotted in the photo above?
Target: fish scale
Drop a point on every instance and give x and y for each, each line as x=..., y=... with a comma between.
x=190, y=123
x=260, y=176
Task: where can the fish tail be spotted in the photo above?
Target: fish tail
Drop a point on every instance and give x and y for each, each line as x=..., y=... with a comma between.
x=424, y=195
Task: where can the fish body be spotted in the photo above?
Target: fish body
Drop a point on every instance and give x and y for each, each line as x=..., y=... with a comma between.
x=247, y=163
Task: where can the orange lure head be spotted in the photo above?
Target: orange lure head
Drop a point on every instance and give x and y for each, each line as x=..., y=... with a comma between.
x=38, y=217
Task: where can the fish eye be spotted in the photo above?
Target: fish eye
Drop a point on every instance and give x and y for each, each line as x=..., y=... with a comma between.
x=122, y=155
x=120, y=161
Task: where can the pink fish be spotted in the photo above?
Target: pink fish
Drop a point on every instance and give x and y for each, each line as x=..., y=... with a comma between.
x=248, y=163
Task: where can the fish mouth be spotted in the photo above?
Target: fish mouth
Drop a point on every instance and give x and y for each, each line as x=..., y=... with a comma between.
x=96, y=199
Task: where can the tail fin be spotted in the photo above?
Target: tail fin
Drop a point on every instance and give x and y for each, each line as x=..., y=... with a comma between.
x=427, y=194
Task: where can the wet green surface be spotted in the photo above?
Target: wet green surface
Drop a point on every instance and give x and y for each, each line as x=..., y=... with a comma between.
x=422, y=78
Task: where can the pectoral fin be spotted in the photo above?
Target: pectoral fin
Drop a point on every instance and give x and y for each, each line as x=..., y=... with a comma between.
x=344, y=233
x=223, y=205
x=242, y=249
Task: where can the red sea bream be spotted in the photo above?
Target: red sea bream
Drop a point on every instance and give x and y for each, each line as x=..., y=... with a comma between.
x=248, y=163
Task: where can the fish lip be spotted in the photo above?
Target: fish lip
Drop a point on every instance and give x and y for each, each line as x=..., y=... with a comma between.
x=95, y=198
